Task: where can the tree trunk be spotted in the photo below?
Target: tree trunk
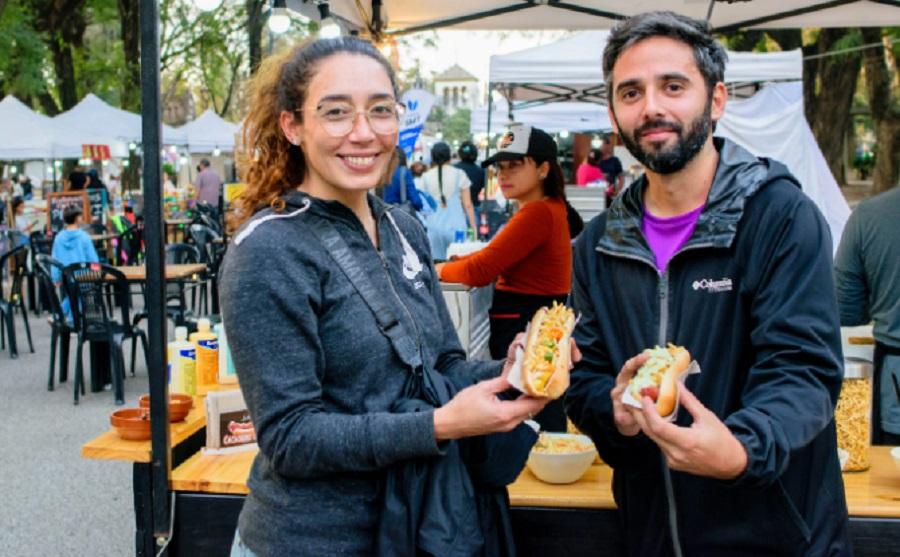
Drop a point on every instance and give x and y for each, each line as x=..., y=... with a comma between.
x=129, y=21
x=255, y=23
x=830, y=115
x=64, y=65
x=885, y=113
x=887, y=151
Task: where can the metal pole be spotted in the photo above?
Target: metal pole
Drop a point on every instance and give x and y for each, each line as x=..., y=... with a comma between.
x=154, y=240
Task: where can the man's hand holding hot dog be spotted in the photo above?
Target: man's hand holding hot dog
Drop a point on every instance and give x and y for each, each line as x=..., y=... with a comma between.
x=706, y=448
x=625, y=422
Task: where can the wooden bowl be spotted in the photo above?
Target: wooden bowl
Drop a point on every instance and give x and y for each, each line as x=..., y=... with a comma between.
x=132, y=424
x=179, y=405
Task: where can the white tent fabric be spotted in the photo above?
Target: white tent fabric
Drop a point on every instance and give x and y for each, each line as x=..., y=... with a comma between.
x=93, y=115
x=772, y=124
x=552, y=118
x=571, y=69
x=27, y=135
x=208, y=132
x=404, y=16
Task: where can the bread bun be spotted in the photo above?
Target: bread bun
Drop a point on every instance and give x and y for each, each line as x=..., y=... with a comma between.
x=658, y=377
x=545, y=370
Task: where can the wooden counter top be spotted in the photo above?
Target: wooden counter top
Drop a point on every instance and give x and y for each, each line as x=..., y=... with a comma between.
x=875, y=493
x=109, y=446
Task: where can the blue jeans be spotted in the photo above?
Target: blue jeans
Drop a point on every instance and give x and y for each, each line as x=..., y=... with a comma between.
x=238, y=549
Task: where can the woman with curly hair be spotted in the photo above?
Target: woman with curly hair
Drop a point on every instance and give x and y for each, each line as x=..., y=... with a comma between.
x=346, y=402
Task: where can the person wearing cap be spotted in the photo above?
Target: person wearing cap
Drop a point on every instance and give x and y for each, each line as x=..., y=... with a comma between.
x=448, y=186
x=530, y=259
x=468, y=154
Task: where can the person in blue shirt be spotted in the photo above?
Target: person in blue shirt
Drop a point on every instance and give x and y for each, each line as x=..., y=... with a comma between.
x=402, y=177
x=72, y=245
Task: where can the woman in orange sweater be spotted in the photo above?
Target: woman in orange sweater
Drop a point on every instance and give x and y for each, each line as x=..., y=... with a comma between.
x=531, y=257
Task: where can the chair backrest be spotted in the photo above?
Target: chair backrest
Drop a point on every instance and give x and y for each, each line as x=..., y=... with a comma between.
x=87, y=286
x=43, y=263
x=203, y=235
x=177, y=254
x=129, y=245
x=16, y=261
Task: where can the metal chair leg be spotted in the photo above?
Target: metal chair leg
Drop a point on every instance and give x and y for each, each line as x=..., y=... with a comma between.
x=11, y=333
x=133, y=351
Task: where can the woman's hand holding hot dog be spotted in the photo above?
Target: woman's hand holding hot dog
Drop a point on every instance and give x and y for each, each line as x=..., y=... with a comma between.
x=476, y=410
x=706, y=448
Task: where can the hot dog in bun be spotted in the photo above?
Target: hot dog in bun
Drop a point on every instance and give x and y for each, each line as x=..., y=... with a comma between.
x=545, y=372
x=657, y=377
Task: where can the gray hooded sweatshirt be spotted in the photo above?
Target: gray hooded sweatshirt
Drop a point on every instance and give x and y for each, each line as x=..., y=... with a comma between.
x=318, y=375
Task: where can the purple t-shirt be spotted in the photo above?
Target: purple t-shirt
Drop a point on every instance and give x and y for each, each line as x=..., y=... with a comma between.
x=666, y=235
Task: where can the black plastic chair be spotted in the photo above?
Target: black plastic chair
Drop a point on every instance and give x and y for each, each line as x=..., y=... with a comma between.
x=38, y=243
x=129, y=245
x=61, y=327
x=176, y=303
x=204, y=237
x=18, y=257
x=86, y=286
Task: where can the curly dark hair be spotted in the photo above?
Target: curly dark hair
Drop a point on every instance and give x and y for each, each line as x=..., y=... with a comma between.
x=269, y=164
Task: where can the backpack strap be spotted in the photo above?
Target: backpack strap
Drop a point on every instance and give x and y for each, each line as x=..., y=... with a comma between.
x=406, y=348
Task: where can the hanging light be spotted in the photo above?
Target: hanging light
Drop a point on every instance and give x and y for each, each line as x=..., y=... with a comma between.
x=217, y=151
x=182, y=160
x=105, y=163
x=595, y=143
x=564, y=134
x=279, y=17
x=132, y=146
x=125, y=163
x=328, y=27
x=207, y=5
x=13, y=169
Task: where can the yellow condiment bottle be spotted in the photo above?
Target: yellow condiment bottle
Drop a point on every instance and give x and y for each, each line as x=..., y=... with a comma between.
x=207, y=345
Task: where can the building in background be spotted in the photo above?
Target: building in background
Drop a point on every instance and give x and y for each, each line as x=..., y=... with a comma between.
x=456, y=88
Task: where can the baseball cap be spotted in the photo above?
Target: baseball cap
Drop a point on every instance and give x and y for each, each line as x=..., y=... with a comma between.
x=523, y=141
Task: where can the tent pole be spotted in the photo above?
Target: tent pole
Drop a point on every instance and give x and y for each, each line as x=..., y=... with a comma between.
x=151, y=128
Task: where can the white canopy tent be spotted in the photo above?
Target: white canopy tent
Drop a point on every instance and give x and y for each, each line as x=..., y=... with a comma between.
x=772, y=124
x=209, y=132
x=552, y=118
x=394, y=17
x=571, y=70
x=27, y=135
x=93, y=115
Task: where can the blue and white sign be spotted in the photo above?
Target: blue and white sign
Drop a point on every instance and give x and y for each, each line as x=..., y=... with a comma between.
x=418, y=103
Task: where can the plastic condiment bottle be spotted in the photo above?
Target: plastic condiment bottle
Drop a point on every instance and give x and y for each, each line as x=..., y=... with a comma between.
x=207, y=345
x=227, y=374
x=182, y=364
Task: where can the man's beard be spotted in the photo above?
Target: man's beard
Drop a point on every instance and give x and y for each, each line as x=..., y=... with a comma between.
x=671, y=159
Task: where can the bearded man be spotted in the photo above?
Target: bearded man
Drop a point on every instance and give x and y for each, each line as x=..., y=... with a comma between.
x=719, y=251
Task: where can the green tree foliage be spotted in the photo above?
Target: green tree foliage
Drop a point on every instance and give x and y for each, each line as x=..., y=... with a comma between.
x=22, y=54
x=456, y=127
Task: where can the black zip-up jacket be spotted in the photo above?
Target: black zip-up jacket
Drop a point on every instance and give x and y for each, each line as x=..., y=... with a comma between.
x=751, y=295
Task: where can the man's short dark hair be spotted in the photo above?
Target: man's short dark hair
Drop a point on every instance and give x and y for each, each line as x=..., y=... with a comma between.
x=204, y=163
x=709, y=55
x=71, y=214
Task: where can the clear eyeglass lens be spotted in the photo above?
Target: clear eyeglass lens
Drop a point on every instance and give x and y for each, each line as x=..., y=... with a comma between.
x=338, y=118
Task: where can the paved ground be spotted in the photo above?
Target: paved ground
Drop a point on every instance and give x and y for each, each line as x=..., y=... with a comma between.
x=52, y=502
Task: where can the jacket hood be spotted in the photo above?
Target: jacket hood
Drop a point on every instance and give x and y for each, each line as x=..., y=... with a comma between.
x=69, y=239
x=739, y=176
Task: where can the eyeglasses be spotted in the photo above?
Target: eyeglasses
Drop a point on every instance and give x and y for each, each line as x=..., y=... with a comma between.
x=338, y=118
x=510, y=165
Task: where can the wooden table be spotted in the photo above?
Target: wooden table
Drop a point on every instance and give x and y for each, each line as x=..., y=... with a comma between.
x=138, y=273
x=575, y=519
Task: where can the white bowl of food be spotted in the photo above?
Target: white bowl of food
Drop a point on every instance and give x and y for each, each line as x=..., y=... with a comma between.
x=843, y=457
x=561, y=458
x=895, y=456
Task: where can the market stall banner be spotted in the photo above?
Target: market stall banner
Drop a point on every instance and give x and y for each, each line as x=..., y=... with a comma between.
x=418, y=103
x=95, y=152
